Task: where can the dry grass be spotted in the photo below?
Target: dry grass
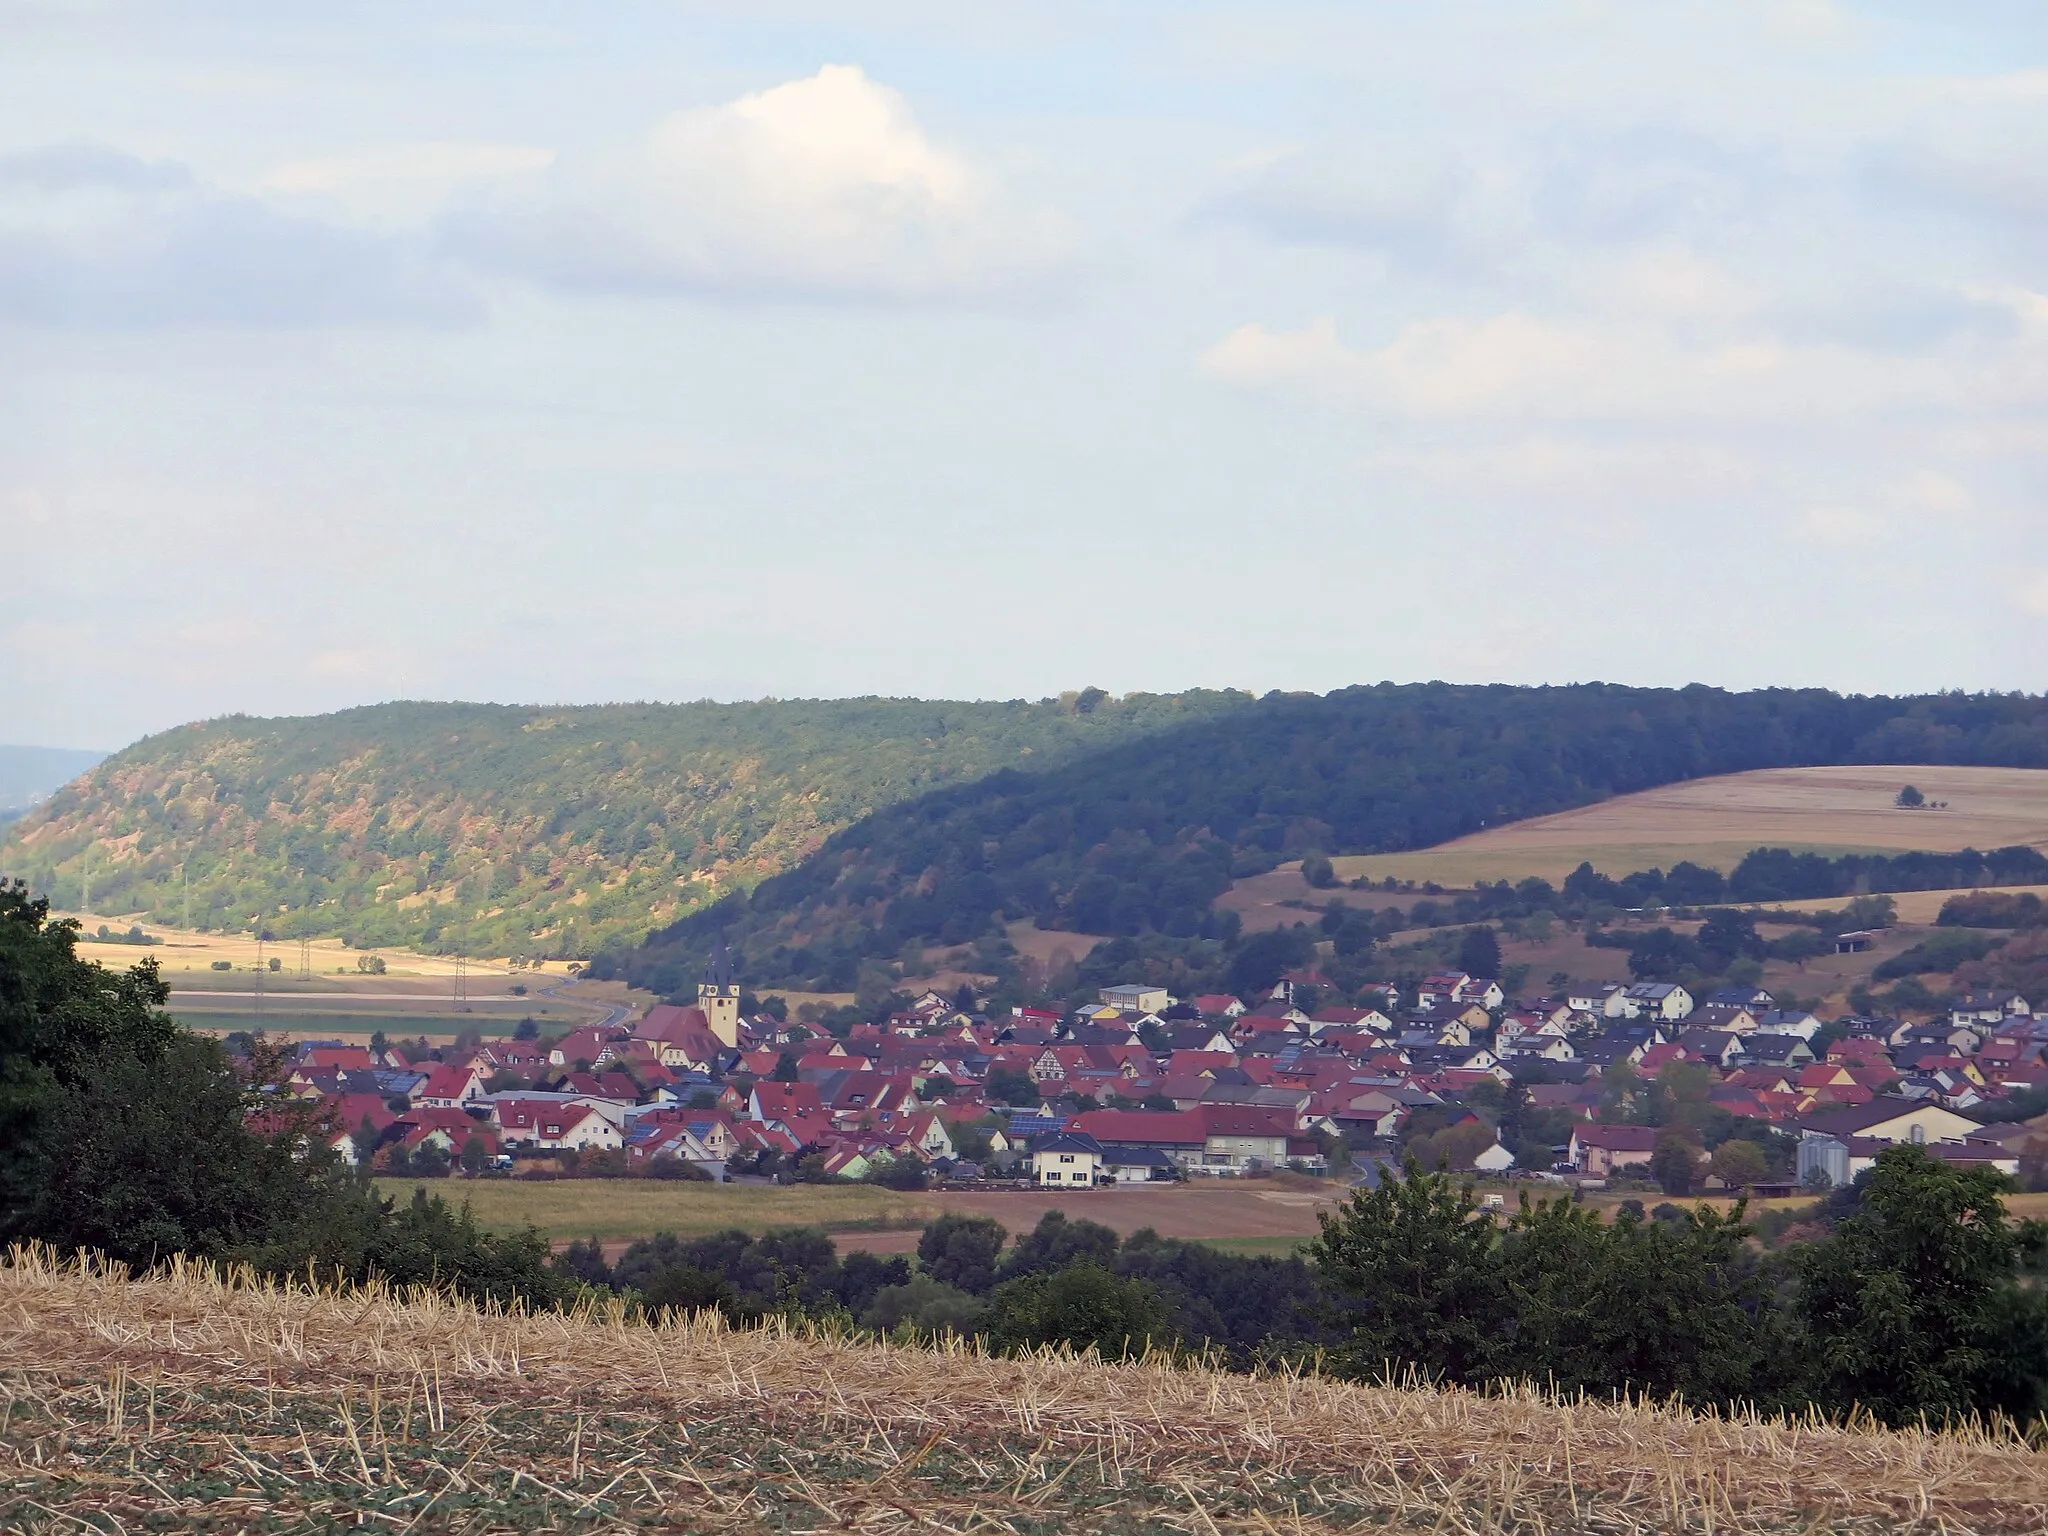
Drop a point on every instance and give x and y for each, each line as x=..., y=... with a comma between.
x=191, y=1402
x=1715, y=821
x=616, y=1208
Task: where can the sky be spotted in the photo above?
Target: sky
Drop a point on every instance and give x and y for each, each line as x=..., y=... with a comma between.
x=668, y=351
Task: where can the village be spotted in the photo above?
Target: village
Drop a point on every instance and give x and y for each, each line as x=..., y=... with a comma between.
x=1619, y=1086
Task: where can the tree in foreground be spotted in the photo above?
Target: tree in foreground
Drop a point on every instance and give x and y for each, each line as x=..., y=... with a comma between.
x=1914, y=1307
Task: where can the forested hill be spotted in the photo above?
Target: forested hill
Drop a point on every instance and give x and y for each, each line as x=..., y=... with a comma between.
x=514, y=829
x=1142, y=835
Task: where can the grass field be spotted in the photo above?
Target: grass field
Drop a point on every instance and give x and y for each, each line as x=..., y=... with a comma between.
x=1715, y=821
x=182, y=1402
x=612, y=1209
x=1281, y=1208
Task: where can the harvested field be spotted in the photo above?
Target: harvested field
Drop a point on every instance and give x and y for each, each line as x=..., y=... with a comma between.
x=1716, y=821
x=185, y=1401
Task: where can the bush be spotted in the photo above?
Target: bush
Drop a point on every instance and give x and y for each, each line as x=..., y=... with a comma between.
x=1083, y=1306
x=927, y=1305
x=961, y=1251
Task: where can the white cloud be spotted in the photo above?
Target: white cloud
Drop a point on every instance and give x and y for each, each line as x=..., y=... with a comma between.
x=824, y=186
x=94, y=238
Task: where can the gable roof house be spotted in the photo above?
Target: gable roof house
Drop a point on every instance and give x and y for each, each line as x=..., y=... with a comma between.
x=1601, y=1150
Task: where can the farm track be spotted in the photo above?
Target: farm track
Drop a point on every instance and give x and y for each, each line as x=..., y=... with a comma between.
x=189, y=1402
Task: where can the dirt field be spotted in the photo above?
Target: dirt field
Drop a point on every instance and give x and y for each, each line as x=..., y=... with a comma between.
x=1715, y=821
x=1211, y=1208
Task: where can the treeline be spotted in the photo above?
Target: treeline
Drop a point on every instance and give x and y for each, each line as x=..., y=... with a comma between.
x=123, y=1133
x=1919, y=1301
x=1140, y=837
x=528, y=830
x=1064, y=1282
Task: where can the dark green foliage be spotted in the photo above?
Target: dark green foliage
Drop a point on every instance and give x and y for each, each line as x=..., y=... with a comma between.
x=1056, y=1242
x=1994, y=909
x=1777, y=874
x=1913, y=1307
x=1479, y=952
x=1140, y=836
x=1082, y=1305
x=1412, y=1279
x=1248, y=1308
x=1940, y=951
x=1665, y=1306
x=124, y=1134
x=905, y=1173
x=961, y=1251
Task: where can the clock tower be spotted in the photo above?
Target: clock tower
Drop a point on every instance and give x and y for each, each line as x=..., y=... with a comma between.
x=719, y=996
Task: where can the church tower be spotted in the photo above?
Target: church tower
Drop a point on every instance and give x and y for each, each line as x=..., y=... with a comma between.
x=719, y=996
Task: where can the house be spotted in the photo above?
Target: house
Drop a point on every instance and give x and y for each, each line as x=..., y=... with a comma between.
x=551, y=1123
x=1663, y=1000
x=1603, y=1150
x=1136, y=1165
x=1136, y=999
x=1787, y=1021
x=1772, y=1050
x=1217, y=1005
x=449, y=1088
x=1891, y=1118
x=1067, y=1160
x=1727, y=1018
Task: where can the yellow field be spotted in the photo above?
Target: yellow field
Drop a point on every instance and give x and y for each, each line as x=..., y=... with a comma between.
x=179, y=1401
x=1715, y=821
x=616, y=1208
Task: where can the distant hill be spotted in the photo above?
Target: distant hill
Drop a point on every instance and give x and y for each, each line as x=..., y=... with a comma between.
x=516, y=829
x=28, y=775
x=1140, y=836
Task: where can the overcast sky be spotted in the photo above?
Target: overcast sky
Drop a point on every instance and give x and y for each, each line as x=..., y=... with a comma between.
x=541, y=352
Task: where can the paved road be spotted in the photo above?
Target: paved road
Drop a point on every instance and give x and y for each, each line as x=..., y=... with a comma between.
x=616, y=1013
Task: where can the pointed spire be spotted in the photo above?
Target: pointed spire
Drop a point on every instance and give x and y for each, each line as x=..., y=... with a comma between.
x=720, y=974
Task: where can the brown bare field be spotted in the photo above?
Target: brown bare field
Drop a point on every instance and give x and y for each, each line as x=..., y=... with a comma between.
x=1715, y=821
x=185, y=1400
x=1209, y=1208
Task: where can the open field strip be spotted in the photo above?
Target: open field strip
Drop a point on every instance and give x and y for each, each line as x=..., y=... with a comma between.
x=564, y=1209
x=871, y=1218
x=1716, y=821
x=180, y=1400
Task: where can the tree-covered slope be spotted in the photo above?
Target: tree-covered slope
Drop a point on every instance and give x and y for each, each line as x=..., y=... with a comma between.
x=1142, y=835
x=517, y=829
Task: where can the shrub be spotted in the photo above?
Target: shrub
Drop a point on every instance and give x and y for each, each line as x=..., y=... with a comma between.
x=1084, y=1306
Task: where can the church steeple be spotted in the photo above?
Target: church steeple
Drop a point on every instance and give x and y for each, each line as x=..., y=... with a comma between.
x=719, y=996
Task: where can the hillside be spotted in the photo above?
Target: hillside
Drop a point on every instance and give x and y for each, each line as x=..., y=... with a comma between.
x=1142, y=836
x=1714, y=822
x=177, y=1400
x=504, y=829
